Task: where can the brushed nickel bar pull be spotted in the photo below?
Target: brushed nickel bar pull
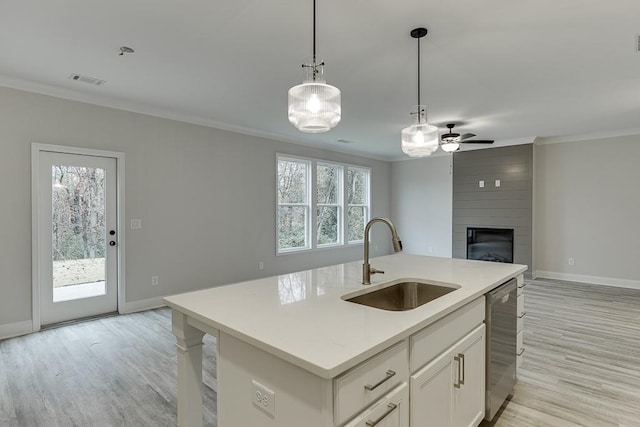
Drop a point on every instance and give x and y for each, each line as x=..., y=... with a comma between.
x=463, y=373
x=522, y=315
x=521, y=351
x=457, y=359
x=390, y=374
x=392, y=407
x=522, y=286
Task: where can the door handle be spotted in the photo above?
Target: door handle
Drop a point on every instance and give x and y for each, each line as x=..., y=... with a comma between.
x=112, y=243
x=460, y=359
x=387, y=377
x=390, y=408
x=112, y=232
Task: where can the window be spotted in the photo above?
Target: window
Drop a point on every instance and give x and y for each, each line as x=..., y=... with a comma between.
x=293, y=204
x=339, y=208
x=329, y=204
x=357, y=203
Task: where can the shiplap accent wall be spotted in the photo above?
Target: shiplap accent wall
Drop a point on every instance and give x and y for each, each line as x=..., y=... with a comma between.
x=507, y=206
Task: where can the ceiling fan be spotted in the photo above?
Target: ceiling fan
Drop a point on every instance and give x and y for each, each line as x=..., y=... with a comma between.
x=451, y=141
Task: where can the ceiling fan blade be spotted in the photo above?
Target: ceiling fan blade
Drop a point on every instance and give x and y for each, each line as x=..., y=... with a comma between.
x=466, y=136
x=478, y=141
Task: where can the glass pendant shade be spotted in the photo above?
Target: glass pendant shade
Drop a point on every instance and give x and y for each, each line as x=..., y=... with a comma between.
x=314, y=106
x=420, y=139
x=450, y=147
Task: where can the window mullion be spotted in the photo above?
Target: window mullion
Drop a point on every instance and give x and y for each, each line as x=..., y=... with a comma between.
x=313, y=188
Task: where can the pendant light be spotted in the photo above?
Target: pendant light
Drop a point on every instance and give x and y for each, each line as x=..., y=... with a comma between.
x=314, y=106
x=420, y=139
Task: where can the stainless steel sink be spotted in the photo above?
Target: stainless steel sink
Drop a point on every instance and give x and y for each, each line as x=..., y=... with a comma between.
x=402, y=296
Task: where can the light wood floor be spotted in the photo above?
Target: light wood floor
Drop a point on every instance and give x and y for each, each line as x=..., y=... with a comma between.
x=582, y=359
x=116, y=371
x=581, y=367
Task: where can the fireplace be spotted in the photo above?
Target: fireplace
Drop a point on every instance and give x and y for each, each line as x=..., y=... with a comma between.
x=490, y=244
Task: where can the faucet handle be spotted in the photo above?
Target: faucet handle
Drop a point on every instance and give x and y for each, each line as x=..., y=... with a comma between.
x=375, y=270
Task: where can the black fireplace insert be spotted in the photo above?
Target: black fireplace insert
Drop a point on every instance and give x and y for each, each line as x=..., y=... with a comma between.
x=490, y=244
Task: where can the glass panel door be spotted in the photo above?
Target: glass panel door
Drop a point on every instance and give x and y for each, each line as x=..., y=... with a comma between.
x=77, y=243
x=78, y=232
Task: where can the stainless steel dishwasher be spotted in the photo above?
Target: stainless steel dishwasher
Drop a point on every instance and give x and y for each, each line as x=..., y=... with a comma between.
x=502, y=329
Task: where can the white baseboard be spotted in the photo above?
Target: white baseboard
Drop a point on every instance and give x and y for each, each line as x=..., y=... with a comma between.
x=11, y=330
x=141, y=305
x=582, y=278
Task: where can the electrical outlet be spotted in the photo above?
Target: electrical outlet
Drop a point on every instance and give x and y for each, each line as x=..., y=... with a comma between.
x=572, y=261
x=154, y=280
x=481, y=184
x=263, y=398
x=497, y=183
x=136, y=224
x=260, y=265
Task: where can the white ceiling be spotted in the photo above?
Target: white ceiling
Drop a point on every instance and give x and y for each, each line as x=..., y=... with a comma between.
x=506, y=70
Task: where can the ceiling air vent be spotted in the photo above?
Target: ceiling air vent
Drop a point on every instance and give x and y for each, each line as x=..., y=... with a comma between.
x=89, y=80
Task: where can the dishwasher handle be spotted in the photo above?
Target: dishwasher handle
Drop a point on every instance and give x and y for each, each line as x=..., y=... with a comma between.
x=501, y=293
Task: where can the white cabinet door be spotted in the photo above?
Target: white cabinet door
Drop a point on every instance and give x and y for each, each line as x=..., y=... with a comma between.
x=449, y=392
x=431, y=393
x=469, y=390
x=391, y=411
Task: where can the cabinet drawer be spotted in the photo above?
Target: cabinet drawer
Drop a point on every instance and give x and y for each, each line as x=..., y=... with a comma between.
x=520, y=342
x=521, y=322
x=370, y=380
x=444, y=333
x=520, y=309
x=391, y=410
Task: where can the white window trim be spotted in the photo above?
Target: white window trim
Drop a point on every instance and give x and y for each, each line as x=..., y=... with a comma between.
x=311, y=222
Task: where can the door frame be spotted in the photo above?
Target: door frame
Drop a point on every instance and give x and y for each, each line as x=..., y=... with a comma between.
x=36, y=148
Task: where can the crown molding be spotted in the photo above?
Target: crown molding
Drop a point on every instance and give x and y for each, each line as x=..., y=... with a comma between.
x=119, y=104
x=587, y=136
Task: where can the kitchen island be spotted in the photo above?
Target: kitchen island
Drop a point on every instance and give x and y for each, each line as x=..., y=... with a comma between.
x=290, y=347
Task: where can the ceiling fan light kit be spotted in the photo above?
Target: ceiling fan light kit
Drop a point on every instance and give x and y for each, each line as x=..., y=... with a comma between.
x=314, y=106
x=420, y=139
x=450, y=147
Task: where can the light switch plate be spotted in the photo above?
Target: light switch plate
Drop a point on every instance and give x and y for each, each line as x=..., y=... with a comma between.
x=481, y=184
x=497, y=183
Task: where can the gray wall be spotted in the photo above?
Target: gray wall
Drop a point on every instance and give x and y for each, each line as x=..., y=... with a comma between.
x=507, y=206
x=206, y=198
x=421, y=204
x=587, y=206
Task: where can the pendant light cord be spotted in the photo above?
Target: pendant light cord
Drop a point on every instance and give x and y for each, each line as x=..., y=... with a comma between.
x=418, y=78
x=314, y=32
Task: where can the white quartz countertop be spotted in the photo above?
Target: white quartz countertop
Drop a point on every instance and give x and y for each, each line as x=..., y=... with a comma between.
x=302, y=318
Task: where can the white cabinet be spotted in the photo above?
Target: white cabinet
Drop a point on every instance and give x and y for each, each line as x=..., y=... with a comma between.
x=432, y=394
x=370, y=380
x=380, y=392
x=468, y=396
x=390, y=411
x=449, y=391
